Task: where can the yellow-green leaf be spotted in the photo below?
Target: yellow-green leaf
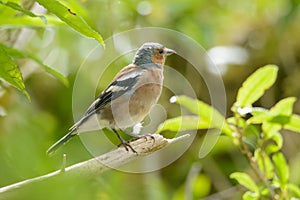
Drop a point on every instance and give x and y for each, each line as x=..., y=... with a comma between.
x=10, y=72
x=22, y=54
x=25, y=21
x=273, y=119
x=183, y=123
x=276, y=145
x=280, y=113
x=250, y=196
x=283, y=107
x=18, y=7
x=245, y=180
x=264, y=163
x=281, y=168
x=294, y=189
x=207, y=113
x=255, y=85
x=260, y=115
x=270, y=128
x=293, y=124
x=71, y=18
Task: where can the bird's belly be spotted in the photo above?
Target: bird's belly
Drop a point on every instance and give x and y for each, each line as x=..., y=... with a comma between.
x=146, y=94
x=149, y=95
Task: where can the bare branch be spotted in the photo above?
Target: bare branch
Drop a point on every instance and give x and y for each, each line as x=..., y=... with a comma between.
x=115, y=158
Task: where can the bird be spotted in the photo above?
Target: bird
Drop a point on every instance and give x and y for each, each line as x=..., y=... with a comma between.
x=128, y=99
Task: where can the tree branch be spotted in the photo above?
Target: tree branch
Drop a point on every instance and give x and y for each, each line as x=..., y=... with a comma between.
x=113, y=159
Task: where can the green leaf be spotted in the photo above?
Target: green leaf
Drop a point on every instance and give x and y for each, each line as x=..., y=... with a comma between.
x=251, y=134
x=10, y=72
x=17, y=7
x=294, y=189
x=208, y=114
x=250, y=196
x=283, y=107
x=22, y=54
x=273, y=120
x=260, y=115
x=233, y=121
x=252, y=130
x=270, y=128
x=279, y=115
x=293, y=124
x=183, y=123
x=25, y=21
x=281, y=168
x=255, y=85
x=71, y=18
x=245, y=180
x=264, y=163
x=277, y=140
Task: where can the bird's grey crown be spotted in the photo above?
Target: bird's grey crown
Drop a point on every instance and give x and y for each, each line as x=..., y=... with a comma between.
x=143, y=56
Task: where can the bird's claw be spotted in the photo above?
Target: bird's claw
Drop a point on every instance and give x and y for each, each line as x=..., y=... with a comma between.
x=126, y=145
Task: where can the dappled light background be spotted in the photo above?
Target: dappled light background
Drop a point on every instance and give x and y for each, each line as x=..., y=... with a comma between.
x=239, y=36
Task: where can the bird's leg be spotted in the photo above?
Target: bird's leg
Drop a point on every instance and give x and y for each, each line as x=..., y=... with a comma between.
x=123, y=142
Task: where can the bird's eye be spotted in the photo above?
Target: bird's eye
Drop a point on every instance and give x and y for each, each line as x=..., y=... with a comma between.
x=160, y=51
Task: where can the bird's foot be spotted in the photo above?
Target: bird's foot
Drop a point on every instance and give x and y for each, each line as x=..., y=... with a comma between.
x=127, y=146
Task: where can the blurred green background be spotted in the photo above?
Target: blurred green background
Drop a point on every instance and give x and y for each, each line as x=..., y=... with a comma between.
x=240, y=35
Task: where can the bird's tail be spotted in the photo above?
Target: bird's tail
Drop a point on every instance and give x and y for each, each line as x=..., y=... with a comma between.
x=60, y=142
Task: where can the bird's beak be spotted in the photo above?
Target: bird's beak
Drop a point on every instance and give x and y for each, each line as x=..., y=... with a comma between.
x=169, y=51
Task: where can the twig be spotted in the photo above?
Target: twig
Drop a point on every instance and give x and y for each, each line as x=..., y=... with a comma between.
x=253, y=163
x=112, y=159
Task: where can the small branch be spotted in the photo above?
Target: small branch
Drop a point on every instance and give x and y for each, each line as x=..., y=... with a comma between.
x=113, y=159
x=253, y=163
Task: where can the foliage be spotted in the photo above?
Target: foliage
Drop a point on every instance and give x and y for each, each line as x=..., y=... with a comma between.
x=71, y=18
x=266, y=159
x=10, y=71
x=18, y=54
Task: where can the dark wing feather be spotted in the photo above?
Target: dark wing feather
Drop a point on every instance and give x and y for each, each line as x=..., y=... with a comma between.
x=113, y=91
x=124, y=81
x=110, y=94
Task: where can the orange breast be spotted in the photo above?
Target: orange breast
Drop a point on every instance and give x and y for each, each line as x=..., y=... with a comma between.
x=147, y=94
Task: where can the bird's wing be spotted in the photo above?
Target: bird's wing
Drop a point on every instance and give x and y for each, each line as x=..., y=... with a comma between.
x=123, y=82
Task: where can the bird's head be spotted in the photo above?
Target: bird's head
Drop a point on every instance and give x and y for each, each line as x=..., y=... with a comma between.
x=150, y=53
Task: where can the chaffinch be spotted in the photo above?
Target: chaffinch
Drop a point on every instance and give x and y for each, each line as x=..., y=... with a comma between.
x=128, y=98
